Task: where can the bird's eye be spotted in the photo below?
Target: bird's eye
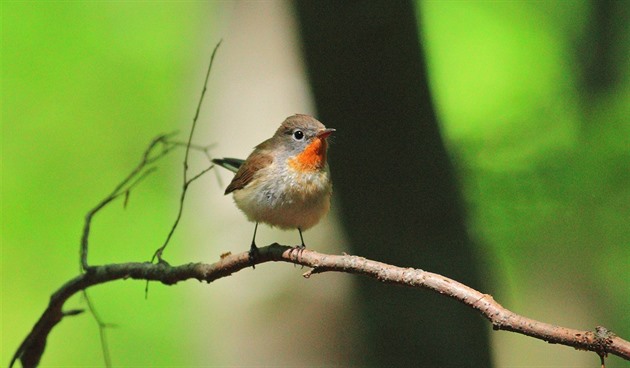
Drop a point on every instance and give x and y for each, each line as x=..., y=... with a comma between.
x=298, y=135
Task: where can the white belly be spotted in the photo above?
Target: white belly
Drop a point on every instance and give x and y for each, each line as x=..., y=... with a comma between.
x=295, y=201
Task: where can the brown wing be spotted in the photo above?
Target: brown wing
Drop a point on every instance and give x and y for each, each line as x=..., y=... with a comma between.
x=246, y=172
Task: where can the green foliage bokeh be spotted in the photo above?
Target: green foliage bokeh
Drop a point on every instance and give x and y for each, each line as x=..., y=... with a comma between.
x=85, y=87
x=543, y=157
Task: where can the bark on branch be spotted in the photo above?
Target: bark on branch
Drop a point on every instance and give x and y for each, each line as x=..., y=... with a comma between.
x=600, y=341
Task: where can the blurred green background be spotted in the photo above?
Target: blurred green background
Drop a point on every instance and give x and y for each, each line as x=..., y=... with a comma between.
x=533, y=100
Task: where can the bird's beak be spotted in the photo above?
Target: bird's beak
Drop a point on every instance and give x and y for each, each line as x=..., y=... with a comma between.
x=325, y=133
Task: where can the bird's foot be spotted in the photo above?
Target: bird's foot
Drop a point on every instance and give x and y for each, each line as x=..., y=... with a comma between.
x=298, y=249
x=254, y=253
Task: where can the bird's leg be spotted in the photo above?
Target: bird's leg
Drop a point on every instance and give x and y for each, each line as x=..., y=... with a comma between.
x=253, y=250
x=302, y=239
x=299, y=248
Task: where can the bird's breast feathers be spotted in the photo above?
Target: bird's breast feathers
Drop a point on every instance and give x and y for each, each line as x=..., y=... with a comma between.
x=313, y=157
x=293, y=199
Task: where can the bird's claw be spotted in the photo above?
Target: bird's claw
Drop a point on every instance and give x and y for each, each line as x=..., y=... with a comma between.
x=298, y=249
x=254, y=253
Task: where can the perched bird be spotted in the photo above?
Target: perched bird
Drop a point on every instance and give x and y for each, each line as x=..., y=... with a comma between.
x=285, y=181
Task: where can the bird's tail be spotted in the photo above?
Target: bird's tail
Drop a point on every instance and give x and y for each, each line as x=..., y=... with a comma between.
x=232, y=164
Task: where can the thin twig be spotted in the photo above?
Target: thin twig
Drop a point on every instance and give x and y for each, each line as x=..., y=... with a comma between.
x=102, y=327
x=205, y=149
x=200, y=174
x=601, y=341
x=135, y=177
x=123, y=188
x=160, y=250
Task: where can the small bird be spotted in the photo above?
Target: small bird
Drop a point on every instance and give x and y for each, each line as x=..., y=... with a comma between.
x=285, y=181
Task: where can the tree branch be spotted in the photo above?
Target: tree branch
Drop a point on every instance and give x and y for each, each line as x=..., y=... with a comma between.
x=601, y=341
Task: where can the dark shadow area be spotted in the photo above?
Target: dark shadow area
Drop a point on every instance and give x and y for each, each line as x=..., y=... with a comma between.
x=600, y=50
x=394, y=184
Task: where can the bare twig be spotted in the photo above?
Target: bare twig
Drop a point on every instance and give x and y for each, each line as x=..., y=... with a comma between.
x=187, y=182
x=602, y=341
x=124, y=187
x=197, y=147
x=137, y=175
x=102, y=329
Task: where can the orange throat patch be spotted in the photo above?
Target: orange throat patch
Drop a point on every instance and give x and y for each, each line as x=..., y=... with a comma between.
x=312, y=158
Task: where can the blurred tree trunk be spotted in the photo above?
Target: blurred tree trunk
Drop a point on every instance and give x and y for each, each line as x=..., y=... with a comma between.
x=601, y=48
x=394, y=185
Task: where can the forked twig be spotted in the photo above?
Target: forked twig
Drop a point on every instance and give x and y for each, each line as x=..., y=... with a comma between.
x=137, y=175
x=187, y=182
x=124, y=187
